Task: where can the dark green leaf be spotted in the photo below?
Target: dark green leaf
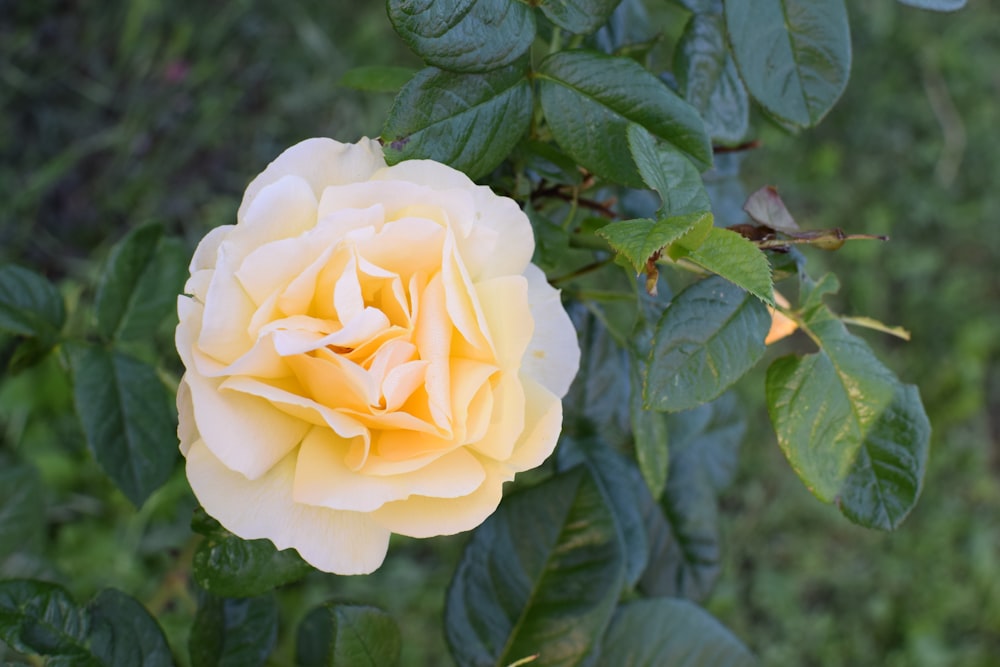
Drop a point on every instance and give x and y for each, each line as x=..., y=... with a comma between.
x=347, y=635
x=667, y=171
x=123, y=633
x=22, y=512
x=794, y=55
x=733, y=257
x=233, y=633
x=542, y=575
x=229, y=566
x=116, y=290
x=649, y=433
x=708, y=79
x=936, y=5
x=29, y=304
x=662, y=631
x=468, y=121
x=127, y=418
x=852, y=432
x=683, y=529
x=37, y=617
x=464, y=35
x=589, y=99
x=377, y=78
x=709, y=337
x=598, y=398
x=579, y=16
x=617, y=480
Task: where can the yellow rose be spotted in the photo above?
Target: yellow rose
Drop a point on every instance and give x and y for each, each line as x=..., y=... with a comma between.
x=368, y=351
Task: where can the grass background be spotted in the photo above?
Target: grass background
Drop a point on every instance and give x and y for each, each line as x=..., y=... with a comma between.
x=119, y=113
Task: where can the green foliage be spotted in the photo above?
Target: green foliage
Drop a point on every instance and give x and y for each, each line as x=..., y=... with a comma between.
x=574, y=108
x=667, y=631
x=544, y=571
x=126, y=416
x=345, y=635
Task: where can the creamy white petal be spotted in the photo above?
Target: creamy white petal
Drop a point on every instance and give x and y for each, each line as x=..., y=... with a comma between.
x=321, y=162
x=504, y=302
x=281, y=210
x=542, y=424
x=204, y=254
x=420, y=516
x=187, y=431
x=322, y=477
x=330, y=540
x=553, y=355
x=228, y=309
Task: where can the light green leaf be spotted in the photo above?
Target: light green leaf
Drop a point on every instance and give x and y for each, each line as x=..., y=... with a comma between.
x=347, y=635
x=127, y=418
x=579, y=16
x=733, y=257
x=669, y=172
x=709, y=337
x=464, y=35
x=659, y=632
x=639, y=239
x=233, y=633
x=29, y=304
x=936, y=5
x=794, y=55
x=707, y=76
x=124, y=633
x=468, y=121
x=590, y=98
x=854, y=434
x=377, y=78
x=544, y=572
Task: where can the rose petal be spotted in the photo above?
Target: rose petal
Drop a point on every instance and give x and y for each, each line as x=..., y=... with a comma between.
x=321, y=162
x=508, y=317
x=420, y=516
x=553, y=355
x=208, y=247
x=226, y=318
x=187, y=430
x=331, y=540
x=507, y=420
x=283, y=209
x=542, y=423
x=322, y=478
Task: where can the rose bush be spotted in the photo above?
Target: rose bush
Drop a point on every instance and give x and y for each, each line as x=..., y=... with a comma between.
x=369, y=350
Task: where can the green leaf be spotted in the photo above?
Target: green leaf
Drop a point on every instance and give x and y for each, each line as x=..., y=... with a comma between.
x=29, y=304
x=127, y=418
x=22, y=510
x=649, y=433
x=233, y=633
x=853, y=433
x=639, y=239
x=936, y=5
x=733, y=257
x=579, y=16
x=468, y=121
x=347, y=635
x=709, y=337
x=229, y=566
x=683, y=529
x=542, y=575
x=617, y=481
x=138, y=288
x=707, y=76
x=37, y=617
x=665, y=631
x=123, y=632
x=794, y=55
x=589, y=99
x=464, y=35
x=377, y=78
x=667, y=171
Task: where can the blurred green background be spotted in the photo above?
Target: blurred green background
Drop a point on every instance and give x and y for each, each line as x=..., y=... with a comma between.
x=119, y=113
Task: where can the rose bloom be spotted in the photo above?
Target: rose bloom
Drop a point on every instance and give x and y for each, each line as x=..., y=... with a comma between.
x=369, y=350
